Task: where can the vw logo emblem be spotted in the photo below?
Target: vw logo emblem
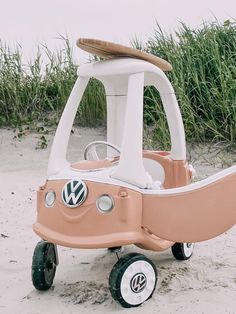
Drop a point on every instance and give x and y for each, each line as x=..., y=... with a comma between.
x=74, y=193
x=138, y=282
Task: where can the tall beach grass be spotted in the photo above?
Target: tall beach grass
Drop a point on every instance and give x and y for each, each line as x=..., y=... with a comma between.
x=203, y=76
x=37, y=92
x=204, y=79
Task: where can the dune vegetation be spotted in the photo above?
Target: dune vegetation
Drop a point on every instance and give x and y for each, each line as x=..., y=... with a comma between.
x=203, y=76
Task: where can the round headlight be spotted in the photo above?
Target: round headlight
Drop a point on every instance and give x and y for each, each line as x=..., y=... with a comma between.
x=50, y=198
x=105, y=203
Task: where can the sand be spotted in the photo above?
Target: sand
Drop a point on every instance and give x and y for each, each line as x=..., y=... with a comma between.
x=204, y=284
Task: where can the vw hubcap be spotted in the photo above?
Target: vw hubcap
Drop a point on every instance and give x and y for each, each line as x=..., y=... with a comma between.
x=138, y=282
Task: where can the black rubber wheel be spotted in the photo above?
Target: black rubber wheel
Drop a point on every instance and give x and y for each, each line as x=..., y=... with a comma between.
x=132, y=280
x=182, y=251
x=44, y=265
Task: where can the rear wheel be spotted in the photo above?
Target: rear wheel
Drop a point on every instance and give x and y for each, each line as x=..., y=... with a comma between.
x=182, y=251
x=44, y=265
x=132, y=280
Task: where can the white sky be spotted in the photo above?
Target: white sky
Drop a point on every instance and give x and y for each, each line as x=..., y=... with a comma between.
x=30, y=22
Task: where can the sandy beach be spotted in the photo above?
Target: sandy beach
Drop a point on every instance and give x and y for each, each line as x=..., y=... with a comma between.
x=204, y=284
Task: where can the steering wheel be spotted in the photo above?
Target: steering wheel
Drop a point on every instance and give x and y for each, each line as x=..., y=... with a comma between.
x=91, y=150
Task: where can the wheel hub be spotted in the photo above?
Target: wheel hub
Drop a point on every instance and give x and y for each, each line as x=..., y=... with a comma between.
x=138, y=282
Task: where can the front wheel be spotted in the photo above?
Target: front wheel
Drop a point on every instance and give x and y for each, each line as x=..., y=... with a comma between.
x=132, y=280
x=44, y=265
x=182, y=251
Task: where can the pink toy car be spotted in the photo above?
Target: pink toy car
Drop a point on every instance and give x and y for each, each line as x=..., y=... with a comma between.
x=132, y=196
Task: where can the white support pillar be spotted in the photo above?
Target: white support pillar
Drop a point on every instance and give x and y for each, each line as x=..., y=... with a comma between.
x=116, y=108
x=57, y=159
x=176, y=127
x=130, y=168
